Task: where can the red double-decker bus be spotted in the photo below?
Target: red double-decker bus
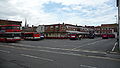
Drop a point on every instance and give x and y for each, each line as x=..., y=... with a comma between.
x=10, y=33
x=31, y=36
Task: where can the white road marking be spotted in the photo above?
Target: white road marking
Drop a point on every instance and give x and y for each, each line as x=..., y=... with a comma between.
x=114, y=46
x=72, y=54
x=86, y=66
x=36, y=57
x=21, y=45
x=89, y=51
x=67, y=45
x=107, y=58
x=98, y=57
x=5, y=51
x=87, y=44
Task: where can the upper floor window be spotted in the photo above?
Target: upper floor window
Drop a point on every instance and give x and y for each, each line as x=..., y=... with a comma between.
x=51, y=26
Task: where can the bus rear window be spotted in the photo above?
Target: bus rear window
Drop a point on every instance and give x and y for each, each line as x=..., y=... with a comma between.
x=17, y=35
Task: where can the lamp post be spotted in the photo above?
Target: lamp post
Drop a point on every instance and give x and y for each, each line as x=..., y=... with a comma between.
x=118, y=5
x=117, y=47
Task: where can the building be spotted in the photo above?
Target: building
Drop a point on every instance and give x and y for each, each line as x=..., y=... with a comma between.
x=40, y=28
x=91, y=29
x=10, y=22
x=98, y=31
x=109, y=29
x=56, y=31
x=61, y=30
x=106, y=29
x=29, y=29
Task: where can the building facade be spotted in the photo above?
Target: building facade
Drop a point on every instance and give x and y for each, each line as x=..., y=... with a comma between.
x=29, y=29
x=106, y=29
x=62, y=30
x=40, y=28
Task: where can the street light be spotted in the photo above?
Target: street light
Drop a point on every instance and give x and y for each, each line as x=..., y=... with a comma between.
x=118, y=5
x=116, y=19
x=117, y=47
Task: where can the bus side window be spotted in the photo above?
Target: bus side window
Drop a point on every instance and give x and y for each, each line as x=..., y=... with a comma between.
x=1, y=35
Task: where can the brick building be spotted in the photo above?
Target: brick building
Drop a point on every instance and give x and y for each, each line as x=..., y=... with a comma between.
x=97, y=30
x=57, y=30
x=106, y=29
x=61, y=30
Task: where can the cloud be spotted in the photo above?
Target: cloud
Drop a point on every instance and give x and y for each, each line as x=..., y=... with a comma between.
x=82, y=12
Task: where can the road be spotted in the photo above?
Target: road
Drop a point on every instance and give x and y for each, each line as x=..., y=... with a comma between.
x=54, y=53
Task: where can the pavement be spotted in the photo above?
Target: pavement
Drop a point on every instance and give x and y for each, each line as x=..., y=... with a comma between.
x=86, y=53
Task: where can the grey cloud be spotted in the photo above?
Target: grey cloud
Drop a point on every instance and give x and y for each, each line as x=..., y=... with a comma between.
x=9, y=10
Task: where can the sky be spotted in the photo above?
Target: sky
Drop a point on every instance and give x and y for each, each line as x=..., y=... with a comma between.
x=39, y=12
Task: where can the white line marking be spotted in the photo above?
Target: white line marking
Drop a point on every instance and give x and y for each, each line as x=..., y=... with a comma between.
x=98, y=57
x=89, y=51
x=88, y=44
x=22, y=45
x=36, y=57
x=86, y=66
x=114, y=46
x=67, y=45
x=68, y=49
x=5, y=51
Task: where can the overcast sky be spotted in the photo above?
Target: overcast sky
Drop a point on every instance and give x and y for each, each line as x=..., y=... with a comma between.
x=39, y=12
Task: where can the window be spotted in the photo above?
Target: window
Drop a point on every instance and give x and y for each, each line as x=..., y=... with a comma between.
x=1, y=35
x=10, y=27
x=51, y=27
x=3, y=28
x=17, y=35
x=15, y=27
x=8, y=35
x=41, y=28
x=57, y=27
x=28, y=35
x=106, y=28
x=46, y=28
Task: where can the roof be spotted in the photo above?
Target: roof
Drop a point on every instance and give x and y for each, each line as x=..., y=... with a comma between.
x=60, y=24
x=109, y=25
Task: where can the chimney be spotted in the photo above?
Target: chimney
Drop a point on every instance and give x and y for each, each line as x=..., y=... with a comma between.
x=63, y=23
x=76, y=24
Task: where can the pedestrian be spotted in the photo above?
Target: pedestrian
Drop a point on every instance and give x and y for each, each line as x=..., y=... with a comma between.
x=80, y=37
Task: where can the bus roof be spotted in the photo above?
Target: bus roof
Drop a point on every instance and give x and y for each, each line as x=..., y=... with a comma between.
x=8, y=25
